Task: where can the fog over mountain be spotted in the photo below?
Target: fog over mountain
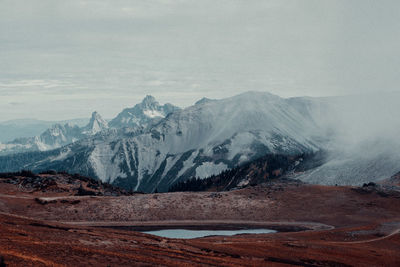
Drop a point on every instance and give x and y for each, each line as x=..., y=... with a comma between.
x=364, y=143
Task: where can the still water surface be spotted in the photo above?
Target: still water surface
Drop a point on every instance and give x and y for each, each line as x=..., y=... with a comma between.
x=187, y=234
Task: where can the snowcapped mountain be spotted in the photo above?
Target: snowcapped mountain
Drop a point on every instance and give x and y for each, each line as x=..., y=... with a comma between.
x=201, y=140
x=96, y=125
x=214, y=135
x=10, y=130
x=135, y=119
x=56, y=136
x=147, y=112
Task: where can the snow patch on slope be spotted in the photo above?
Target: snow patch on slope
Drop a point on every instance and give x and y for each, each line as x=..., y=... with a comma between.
x=104, y=164
x=187, y=164
x=63, y=155
x=153, y=114
x=208, y=168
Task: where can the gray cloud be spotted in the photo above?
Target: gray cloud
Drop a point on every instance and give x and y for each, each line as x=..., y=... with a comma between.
x=105, y=55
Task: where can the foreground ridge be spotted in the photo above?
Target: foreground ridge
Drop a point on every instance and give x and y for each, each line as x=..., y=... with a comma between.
x=43, y=225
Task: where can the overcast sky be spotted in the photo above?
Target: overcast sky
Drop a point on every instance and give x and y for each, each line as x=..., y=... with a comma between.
x=65, y=59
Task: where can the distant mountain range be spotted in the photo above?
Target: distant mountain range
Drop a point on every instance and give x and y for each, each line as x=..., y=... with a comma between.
x=151, y=146
x=56, y=136
x=10, y=130
x=140, y=116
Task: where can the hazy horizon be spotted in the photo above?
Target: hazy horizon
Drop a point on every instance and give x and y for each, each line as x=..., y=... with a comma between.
x=62, y=60
x=346, y=97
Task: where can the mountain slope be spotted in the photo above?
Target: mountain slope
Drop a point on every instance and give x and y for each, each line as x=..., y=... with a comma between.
x=256, y=172
x=206, y=139
x=201, y=140
x=359, y=135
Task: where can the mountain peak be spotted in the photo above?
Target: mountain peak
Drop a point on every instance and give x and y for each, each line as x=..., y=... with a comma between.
x=96, y=124
x=203, y=100
x=95, y=116
x=149, y=99
x=142, y=114
x=263, y=94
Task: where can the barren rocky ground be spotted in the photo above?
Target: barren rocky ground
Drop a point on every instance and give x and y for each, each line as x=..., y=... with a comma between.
x=320, y=226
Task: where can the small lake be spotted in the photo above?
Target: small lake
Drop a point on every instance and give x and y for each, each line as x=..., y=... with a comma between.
x=188, y=234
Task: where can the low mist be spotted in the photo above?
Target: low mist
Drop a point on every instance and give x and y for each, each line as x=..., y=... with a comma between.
x=363, y=133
